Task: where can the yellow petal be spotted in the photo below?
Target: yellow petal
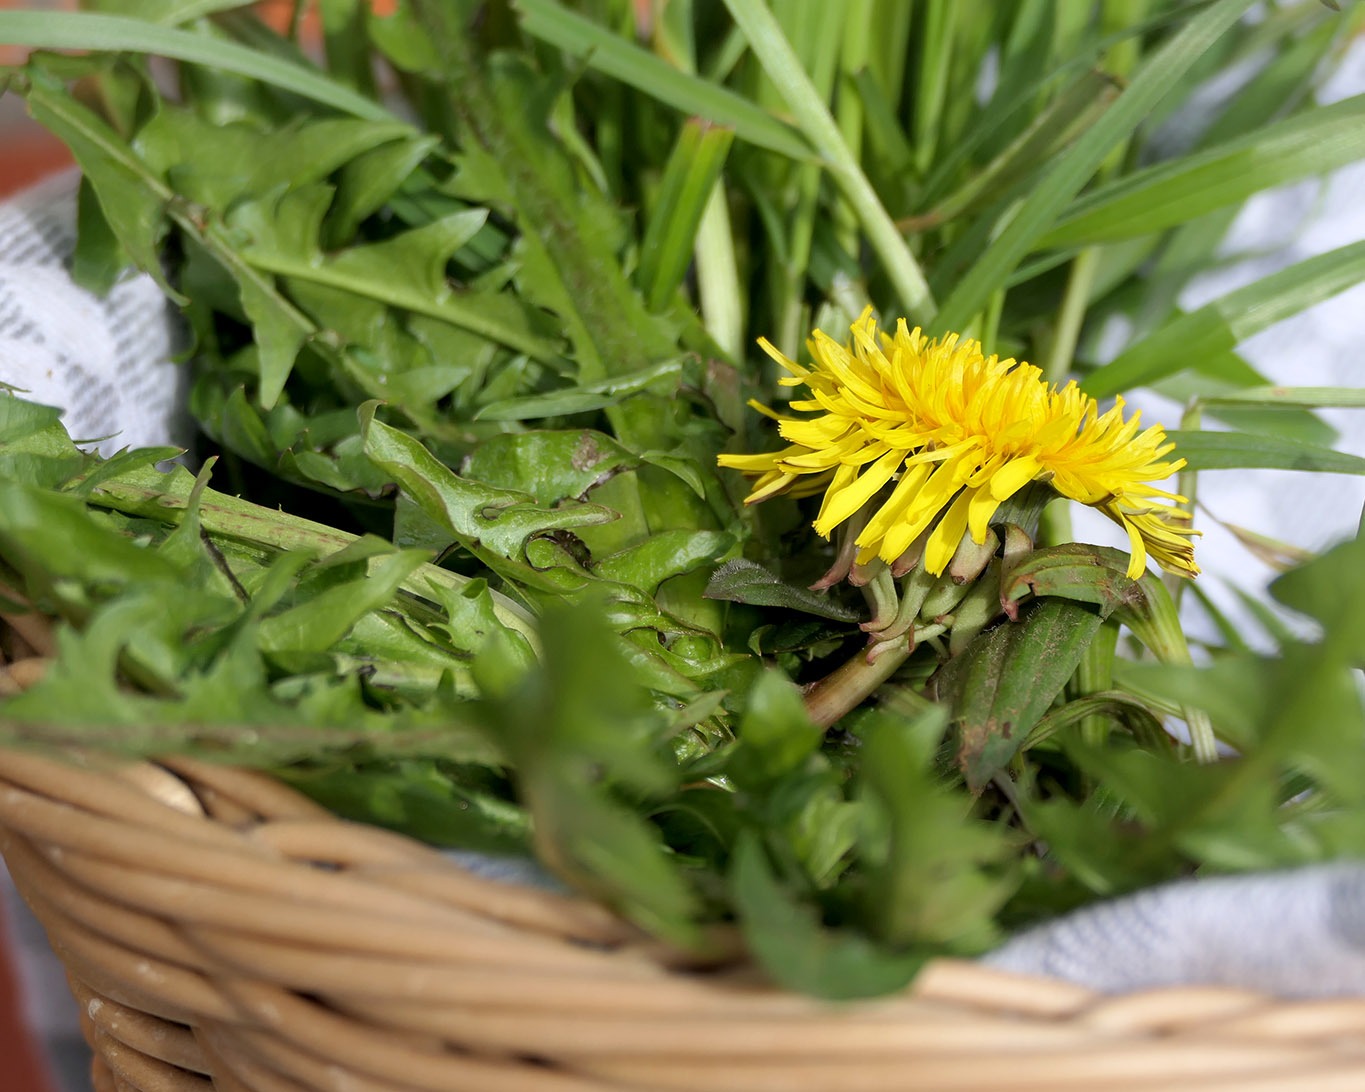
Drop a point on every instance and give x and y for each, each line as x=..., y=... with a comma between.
x=848, y=500
x=944, y=540
x=1013, y=476
x=979, y=512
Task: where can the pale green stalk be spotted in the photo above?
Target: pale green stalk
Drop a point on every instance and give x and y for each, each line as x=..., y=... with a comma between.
x=857, y=47
x=812, y=116
x=849, y=685
x=718, y=288
x=1071, y=316
x=935, y=63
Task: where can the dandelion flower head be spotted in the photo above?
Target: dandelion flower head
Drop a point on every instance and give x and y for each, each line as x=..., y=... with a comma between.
x=918, y=435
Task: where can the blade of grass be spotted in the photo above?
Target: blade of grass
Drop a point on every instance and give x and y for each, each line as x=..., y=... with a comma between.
x=87, y=31
x=1059, y=186
x=174, y=12
x=607, y=52
x=935, y=58
x=1291, y=397
x=1311, y=143
x=1221, y=325
x=1021, y=87
x=779, y=61
x=857, y=45
x=689, y=178
x=1248, y=450
x=816, y=47
x=1074, y=109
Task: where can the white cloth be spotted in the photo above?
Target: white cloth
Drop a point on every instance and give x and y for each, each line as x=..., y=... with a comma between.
x=106, y=362
x=1298, y=933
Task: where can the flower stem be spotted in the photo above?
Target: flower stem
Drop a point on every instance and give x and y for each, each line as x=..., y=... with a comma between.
x=847, y=686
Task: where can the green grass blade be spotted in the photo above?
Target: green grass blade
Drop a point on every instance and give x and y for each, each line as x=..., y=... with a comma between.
x=935, y=58
x=1221, y=325
x=1292, y=397
x=607, y=52
x=168, y=12
x=1311, y=143
x=689, y=177
x=1249, y=450
x=86, y=31
x=780, y=62
x=1060, y=185
x=1074, y=109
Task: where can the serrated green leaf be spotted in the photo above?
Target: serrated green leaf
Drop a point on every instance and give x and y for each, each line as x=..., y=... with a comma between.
x=930, y=887
x=134, y=206
x=369, y=180
x=482, y=517
x=553, y=466
x=775, y=735
x=48, y=536
x=580, y=399
x=316, y=624
x=218, y=165
x=575, y=730
x=407, y=271
x=663, y=556
x=795, y=950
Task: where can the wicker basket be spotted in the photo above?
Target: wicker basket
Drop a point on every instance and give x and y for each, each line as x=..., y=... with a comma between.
x=220, y=931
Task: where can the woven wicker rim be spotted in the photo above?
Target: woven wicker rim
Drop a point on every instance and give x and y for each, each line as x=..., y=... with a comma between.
x=221, y=931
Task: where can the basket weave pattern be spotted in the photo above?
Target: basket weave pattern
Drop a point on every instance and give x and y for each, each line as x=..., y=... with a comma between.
x=222, y=932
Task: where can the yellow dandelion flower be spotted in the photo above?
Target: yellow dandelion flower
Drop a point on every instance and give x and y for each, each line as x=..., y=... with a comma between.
x=943, y=435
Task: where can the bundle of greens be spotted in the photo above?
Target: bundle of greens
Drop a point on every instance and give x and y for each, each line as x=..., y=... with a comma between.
x=473, y=290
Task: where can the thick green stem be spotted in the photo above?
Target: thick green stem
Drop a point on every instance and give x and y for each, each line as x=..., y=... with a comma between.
x=847, y=687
